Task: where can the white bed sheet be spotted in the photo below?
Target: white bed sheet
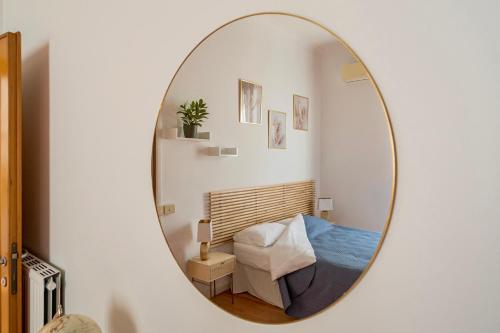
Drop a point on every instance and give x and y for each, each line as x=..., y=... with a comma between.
x=257, y=283
x=252, y=273
x=257, y=268
x=291, y=252
x=254, y=256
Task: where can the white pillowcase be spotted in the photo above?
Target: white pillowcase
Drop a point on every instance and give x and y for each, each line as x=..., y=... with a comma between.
x=262, y=234
x=285, y=221
x=292, y=251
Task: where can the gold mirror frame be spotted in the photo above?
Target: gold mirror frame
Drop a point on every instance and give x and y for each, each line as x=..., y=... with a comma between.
x=391, y=136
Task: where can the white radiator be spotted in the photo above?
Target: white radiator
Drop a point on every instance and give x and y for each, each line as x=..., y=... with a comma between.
x=41, y=292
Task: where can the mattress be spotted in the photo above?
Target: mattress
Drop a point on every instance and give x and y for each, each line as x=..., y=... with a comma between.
x=253, y=256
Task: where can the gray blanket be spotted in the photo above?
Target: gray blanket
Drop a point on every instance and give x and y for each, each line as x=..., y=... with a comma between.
x=341, y=255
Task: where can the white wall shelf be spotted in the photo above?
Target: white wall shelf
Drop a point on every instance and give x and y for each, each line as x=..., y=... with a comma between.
x=223, y=151
x=172, y=134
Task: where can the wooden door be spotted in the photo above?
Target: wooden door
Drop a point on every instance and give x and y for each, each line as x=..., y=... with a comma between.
x=10, y=184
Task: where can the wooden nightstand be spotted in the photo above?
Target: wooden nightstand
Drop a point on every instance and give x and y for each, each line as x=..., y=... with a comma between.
x=217, y=265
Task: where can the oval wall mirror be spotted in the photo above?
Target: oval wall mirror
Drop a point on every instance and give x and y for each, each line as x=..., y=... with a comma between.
x=274, y=168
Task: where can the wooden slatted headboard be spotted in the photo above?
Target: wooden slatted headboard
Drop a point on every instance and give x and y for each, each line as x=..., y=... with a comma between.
x=235, y=210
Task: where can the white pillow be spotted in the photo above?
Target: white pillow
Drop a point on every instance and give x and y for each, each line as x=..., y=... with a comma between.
x=292, y=251
x=285, y=221
x=262, y=234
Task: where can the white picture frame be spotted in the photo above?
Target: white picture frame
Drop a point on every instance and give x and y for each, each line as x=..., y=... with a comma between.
x=277, y=130
x=250, y=100
x=300, y=113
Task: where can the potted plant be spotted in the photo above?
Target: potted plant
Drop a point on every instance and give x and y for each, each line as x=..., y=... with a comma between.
x=193, y=115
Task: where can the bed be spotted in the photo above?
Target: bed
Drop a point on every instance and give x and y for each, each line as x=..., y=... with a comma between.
x=341, y=253
x=341, y=256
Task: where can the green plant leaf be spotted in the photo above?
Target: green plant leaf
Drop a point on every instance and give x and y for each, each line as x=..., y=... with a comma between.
x=193, y=113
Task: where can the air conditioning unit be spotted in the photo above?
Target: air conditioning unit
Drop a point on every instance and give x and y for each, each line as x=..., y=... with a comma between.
x=41, y=292
x=353, y=72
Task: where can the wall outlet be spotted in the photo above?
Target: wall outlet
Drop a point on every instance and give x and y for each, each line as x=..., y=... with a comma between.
x=168, y=209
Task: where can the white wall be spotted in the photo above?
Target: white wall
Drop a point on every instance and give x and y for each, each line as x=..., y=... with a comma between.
x=356, y=154
x=279, y=55
x=35, y=49
x=2, y=29
x=109, y=65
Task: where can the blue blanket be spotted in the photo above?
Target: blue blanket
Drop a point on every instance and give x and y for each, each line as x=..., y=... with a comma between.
x=341, y=255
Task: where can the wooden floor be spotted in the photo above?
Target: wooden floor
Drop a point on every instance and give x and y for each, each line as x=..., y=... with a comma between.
x=251, y=308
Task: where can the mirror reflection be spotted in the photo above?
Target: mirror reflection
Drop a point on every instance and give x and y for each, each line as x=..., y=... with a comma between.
x=273, y=168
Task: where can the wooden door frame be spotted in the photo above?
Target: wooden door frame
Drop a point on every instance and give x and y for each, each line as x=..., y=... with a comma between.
x=10, y=179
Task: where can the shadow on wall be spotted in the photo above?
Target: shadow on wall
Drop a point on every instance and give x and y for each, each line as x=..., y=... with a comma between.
x=183, y=238
x=120, y=318
x=36, y=150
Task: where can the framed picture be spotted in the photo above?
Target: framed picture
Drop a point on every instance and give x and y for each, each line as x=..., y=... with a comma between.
x=300, y=112
x=277, y=130
x=250, y=102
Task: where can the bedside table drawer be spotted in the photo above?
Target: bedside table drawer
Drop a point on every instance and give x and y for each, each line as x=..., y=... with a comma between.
x=223, y=268
x=217, y=265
